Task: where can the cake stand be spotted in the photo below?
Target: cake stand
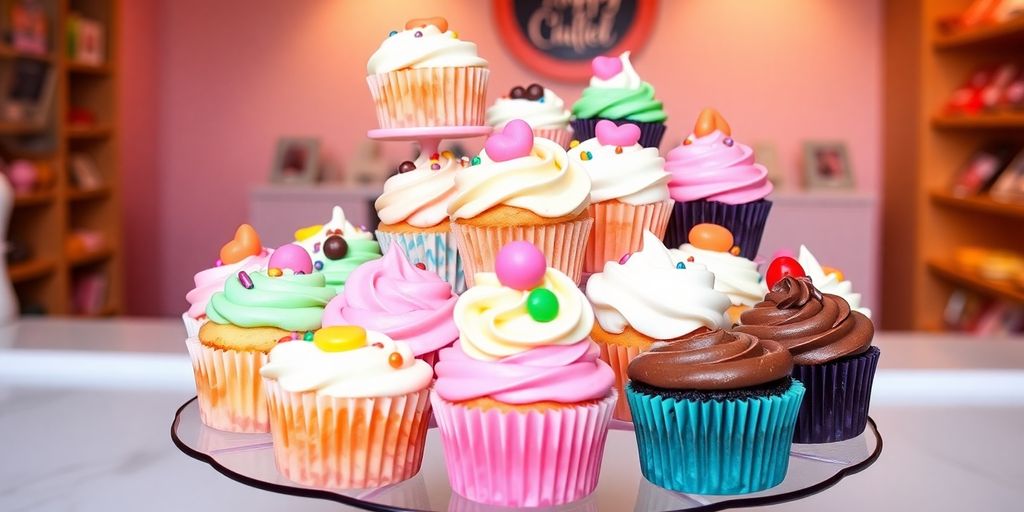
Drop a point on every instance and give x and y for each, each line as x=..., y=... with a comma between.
x=428, y=137
x=249, y=459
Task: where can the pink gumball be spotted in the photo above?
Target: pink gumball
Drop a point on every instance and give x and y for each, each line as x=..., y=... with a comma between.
x=520, y=265
x=291, y=256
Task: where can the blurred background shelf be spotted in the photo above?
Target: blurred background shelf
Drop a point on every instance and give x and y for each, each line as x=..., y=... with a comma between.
x=978, y=203
x=34, y=199
x=32, y=269
x=88, y=69
x=89, y=132
x=949, y=271
x=6, y=52
x=76, y=195
x=1008, y=33
x=97, y=256
x=1000, y=120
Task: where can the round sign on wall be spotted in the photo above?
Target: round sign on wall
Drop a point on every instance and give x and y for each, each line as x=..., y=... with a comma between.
x=559, y=38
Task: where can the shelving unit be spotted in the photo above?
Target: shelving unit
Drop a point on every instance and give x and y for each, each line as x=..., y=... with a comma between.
x=924, y=222
x=44, y=219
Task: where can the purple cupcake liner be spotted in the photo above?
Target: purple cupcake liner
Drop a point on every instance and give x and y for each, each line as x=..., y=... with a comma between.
x=650, y=133
x=745, y=221
x=838, y=397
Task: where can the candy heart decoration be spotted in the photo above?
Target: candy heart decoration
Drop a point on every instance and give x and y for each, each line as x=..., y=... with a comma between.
x=514, y=141
x=246, y=243
x=610, y=134
x=606, y=67
x=437, y=21
x=710, y=120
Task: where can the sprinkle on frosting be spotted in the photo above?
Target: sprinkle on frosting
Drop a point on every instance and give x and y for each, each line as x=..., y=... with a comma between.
x=360, y=247
x=292, y=302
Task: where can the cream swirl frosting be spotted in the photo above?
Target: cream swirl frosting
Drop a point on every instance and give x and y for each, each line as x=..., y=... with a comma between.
x=635, y=176
x=651, y=295
x=830, y=283
x=545, y=182
x=627, y=78
x=549, y=113
x=493, y=320
x=300, y=366
x=735, y=276
x=419, y=197
x=423, y=47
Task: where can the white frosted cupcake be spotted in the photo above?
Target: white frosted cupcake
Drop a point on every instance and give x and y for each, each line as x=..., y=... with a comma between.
x=712, y=246
x=540, y=107
x=830, y=280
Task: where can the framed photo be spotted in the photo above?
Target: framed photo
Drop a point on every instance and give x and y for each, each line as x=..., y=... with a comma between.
x=827, y=166
x=767, y=154
x=297, y=161
x=28, y=92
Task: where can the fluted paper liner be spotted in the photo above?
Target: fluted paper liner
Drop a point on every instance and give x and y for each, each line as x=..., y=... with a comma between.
x=414, y=98
x=437, y=251
x=650, y=133
x=561, y=136
x=745, y=221
x=838, y=398
x=229, y=387
x=563, y=245
x=545, y=457
x=618, y=357
x=192, y=325
x=619, y=229
x=347, y=443
x=715, y=447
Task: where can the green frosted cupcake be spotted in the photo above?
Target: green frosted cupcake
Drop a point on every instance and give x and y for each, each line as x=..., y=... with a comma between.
x=617, y=93
x=714, y=412
x=337, y=248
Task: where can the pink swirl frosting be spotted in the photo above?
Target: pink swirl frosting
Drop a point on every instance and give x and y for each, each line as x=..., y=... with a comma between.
x=716, y=168
x=392, y=296
x=211, y=280
x=559, y=373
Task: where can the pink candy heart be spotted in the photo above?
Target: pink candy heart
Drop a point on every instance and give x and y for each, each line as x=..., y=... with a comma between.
x=514, y=141
x=606, y=67
x=610, y=134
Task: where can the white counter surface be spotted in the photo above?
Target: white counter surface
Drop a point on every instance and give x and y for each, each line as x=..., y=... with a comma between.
x=86, y=406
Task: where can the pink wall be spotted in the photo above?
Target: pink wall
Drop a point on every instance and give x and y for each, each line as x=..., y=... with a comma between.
x=234, y=75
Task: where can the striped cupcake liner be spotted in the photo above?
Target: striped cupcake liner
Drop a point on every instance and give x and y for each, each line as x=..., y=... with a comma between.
x=838, y=398
x=619, y=229
x=229, y=387
x=414, y=98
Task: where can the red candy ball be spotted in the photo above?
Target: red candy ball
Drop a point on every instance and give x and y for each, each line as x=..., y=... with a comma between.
x=781, y=267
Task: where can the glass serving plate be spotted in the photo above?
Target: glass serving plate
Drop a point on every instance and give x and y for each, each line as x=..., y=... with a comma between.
x=249, y=459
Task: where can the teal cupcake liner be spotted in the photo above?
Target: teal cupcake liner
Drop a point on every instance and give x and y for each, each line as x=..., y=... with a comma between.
x=712, y=447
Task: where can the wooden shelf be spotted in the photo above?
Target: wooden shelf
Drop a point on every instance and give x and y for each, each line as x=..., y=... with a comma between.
x=76, y=195
x=16, y=128
x=6, y=52
x=954, y=274
x=32, y=269
x=34, y=199
x=978, y=203
x=88, y=132
x=88, y=69
x=999, y=120
x=1010, y=32
x=90, y=258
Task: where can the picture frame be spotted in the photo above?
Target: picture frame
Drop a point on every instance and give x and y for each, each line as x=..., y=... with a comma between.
x=827, y=166
x=296, y=161
x=28, y=91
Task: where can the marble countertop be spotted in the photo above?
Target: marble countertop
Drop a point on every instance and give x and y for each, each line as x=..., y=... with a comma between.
x=85, y=410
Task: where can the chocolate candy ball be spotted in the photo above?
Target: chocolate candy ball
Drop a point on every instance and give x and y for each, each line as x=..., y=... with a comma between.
x=335, y=247
x=534, y=92
x=406, y=166
x=517, y=92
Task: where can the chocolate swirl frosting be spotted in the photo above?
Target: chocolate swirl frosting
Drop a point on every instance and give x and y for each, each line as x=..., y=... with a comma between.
x=712, y=361
x=815, y=327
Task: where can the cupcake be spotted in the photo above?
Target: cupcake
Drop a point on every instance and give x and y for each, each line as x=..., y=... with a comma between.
x=348, y=410
x=540, y=107
x=715, y=180
x=832, y=352
x=244, y=252
x=337, y=248
x=413, y=212
x=629, y=192
x=246, y=320
x=524, y=188
x=426, y=76
x=522, y=400
x=714, y=413
x=617, y=93
x=645, y=298
x=830, y=280
x=712, y=246
x=408, y=304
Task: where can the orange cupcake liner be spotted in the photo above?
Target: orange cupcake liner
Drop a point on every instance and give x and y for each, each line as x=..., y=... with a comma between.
x=619, y=229
x=561, y=136
x=563, y=245
x=229, y=388
x=347, y=443
x=412, y=98
x=618, y=357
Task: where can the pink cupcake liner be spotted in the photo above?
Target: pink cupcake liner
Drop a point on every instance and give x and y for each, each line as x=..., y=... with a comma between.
x=347, y=443
x=412, y=98
x=563, y=245
x=523, y=459
x=561, y=136
x=618, y=357
x=229, y=388
x=619, y=229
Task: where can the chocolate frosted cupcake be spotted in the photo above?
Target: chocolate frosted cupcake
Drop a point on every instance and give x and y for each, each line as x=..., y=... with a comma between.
x=714, y=412
x=831, y=347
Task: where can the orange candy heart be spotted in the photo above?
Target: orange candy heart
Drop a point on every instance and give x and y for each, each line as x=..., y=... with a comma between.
x=245, y=244
x=709, y=121
x=711, y=237
x=437, y=21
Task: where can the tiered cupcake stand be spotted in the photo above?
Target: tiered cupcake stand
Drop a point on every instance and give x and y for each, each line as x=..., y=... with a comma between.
x=249, y=459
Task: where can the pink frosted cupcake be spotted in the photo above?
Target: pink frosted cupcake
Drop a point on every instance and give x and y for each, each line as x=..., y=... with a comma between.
x=243, y=253
x=426, y=76
x=409, y=304
x=522, y=399
x=715, y=181
x=540, y=107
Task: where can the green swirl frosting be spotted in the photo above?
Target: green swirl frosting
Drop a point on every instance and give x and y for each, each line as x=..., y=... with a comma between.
x=290, y=302
x=633, y=104
x=336, y=271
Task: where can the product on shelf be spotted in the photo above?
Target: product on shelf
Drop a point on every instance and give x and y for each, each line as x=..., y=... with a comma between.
x=1009, y=184
x=982, y=169
x=989, y=88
